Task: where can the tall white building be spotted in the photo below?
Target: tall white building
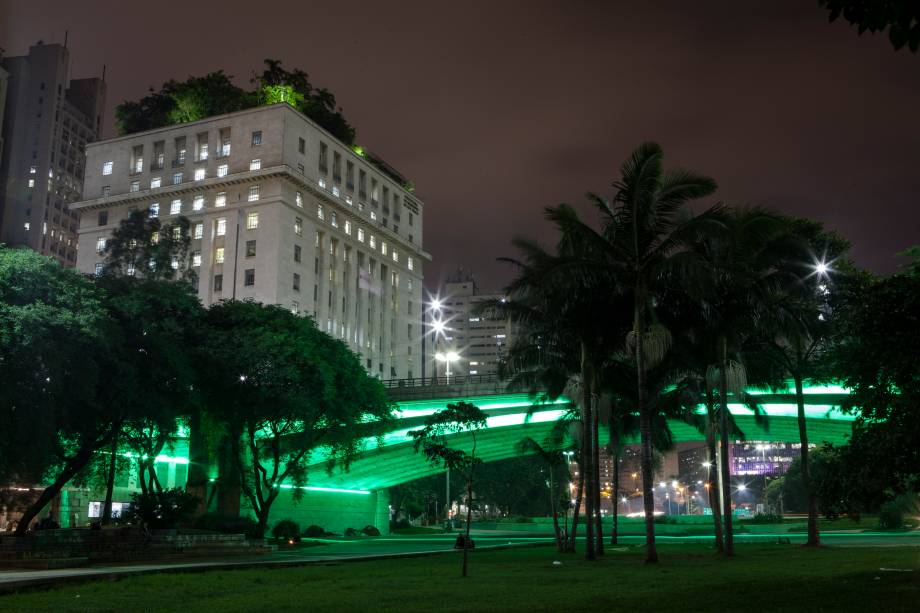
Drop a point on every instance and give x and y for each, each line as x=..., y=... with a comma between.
x=477, y=344
x=282, y=213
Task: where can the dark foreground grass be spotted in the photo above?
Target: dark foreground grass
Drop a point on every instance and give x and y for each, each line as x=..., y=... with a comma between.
x=689, y=578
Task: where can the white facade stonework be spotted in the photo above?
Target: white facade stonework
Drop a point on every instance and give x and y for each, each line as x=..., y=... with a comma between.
x=299, y=219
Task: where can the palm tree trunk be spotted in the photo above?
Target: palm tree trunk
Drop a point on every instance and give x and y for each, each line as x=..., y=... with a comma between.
x=552, y=508
x=723, y=452
x=615, y=494
x=595, y=443
x=713, y=463
x=469, y=508
x=579, y=493
x=645, y=429
x=814, y=538
x=587, y=426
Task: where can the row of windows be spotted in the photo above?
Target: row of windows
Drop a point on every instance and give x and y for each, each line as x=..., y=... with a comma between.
x=202, y=150
x=371, y=239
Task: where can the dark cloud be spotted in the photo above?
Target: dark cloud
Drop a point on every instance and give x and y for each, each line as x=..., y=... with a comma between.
x=497, y=109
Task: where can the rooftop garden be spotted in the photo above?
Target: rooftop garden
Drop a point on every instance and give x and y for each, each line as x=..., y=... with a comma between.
x=215, y=94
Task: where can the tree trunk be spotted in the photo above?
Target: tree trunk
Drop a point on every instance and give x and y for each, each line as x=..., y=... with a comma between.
x=110, y=482
x=711, y=482
x=469, y=508
x=814, y=538
x=579, y=492
x=587, y=426
x=645, y=429
x=552, y=508
x=615, y=492
x=71, y=468
x=723, y=452
x=199, y=458
x=596, y=462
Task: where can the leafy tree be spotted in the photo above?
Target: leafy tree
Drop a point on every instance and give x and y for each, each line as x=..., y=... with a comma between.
x=900, y=17
x=144, y=246
x=54, y=338
x=280, y=388
x=554, y=461
x=182, y=102
x=433, y=441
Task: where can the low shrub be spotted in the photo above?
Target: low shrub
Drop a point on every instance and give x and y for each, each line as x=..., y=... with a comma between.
x=370, y=531
x=766, y=518
x=314, y=531
x=229, y=524
x=351, y=532
x=890, y=516
x=664, y=520
x=400, y=524
x=160, y=510
x=287, y=529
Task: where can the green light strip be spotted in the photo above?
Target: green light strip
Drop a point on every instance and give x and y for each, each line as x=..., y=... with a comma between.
x=334, y=490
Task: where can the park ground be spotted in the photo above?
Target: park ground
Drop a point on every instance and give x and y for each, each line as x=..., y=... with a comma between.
x=690, y=577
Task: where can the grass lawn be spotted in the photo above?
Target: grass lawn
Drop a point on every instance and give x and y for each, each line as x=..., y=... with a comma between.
x=689, y=578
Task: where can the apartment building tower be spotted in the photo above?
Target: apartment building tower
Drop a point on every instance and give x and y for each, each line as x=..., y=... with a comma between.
x=478, y=342
x=48, y=121
x=281, y=213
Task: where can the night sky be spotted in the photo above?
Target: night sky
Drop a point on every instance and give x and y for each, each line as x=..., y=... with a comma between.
x=497, y=109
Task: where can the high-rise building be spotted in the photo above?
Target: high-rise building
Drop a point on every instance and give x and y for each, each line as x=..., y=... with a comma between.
x=281, y=213
x=466, y=341
x=48, y=122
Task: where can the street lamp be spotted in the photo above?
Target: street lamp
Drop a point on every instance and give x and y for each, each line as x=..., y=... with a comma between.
x=447, y=358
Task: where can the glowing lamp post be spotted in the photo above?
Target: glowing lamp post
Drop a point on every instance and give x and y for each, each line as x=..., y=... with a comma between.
x=447, y=358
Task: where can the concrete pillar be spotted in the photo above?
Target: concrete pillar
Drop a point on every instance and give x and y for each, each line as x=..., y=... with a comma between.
x=382, y=511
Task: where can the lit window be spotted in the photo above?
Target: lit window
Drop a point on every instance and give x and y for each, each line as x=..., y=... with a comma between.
x=106, y=168
x=100, y=244
x=33, y=170
x=348, y=200
x=221, y=226
x=174, y=262
x=373, y=216
x=253, y=193
x=177, y=233
x=410, y=263
x=321, y=182
x=27, y=226
x=298, y=199
x=383, y=247
x=130, y=270
x=177, y=178
x=199, y=230
x=252, y=221
x=219, y=255
x=335, y=190
x=298, y=226
x=196, y=258
x=256, y=138
x=372, y=241
x=175, y=207
x=222, y=170
x=335, y=220
x=255, y=164
x=31, y=182
x=98, y=269
x=361, y=235
x=198, y=203
x=347, y=227
x=154, y=210
x=221, y=199
x=199, y=174
x=395, y=256
x=154, y=182
x=155, y=237
x=135, y=186
x=320, y=212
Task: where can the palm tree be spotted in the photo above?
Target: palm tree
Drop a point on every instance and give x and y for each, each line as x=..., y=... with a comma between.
x=745, y=262
x=645, y=240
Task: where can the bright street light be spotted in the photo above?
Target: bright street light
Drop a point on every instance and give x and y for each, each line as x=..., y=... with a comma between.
x=447, y=358
x=436, y=304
